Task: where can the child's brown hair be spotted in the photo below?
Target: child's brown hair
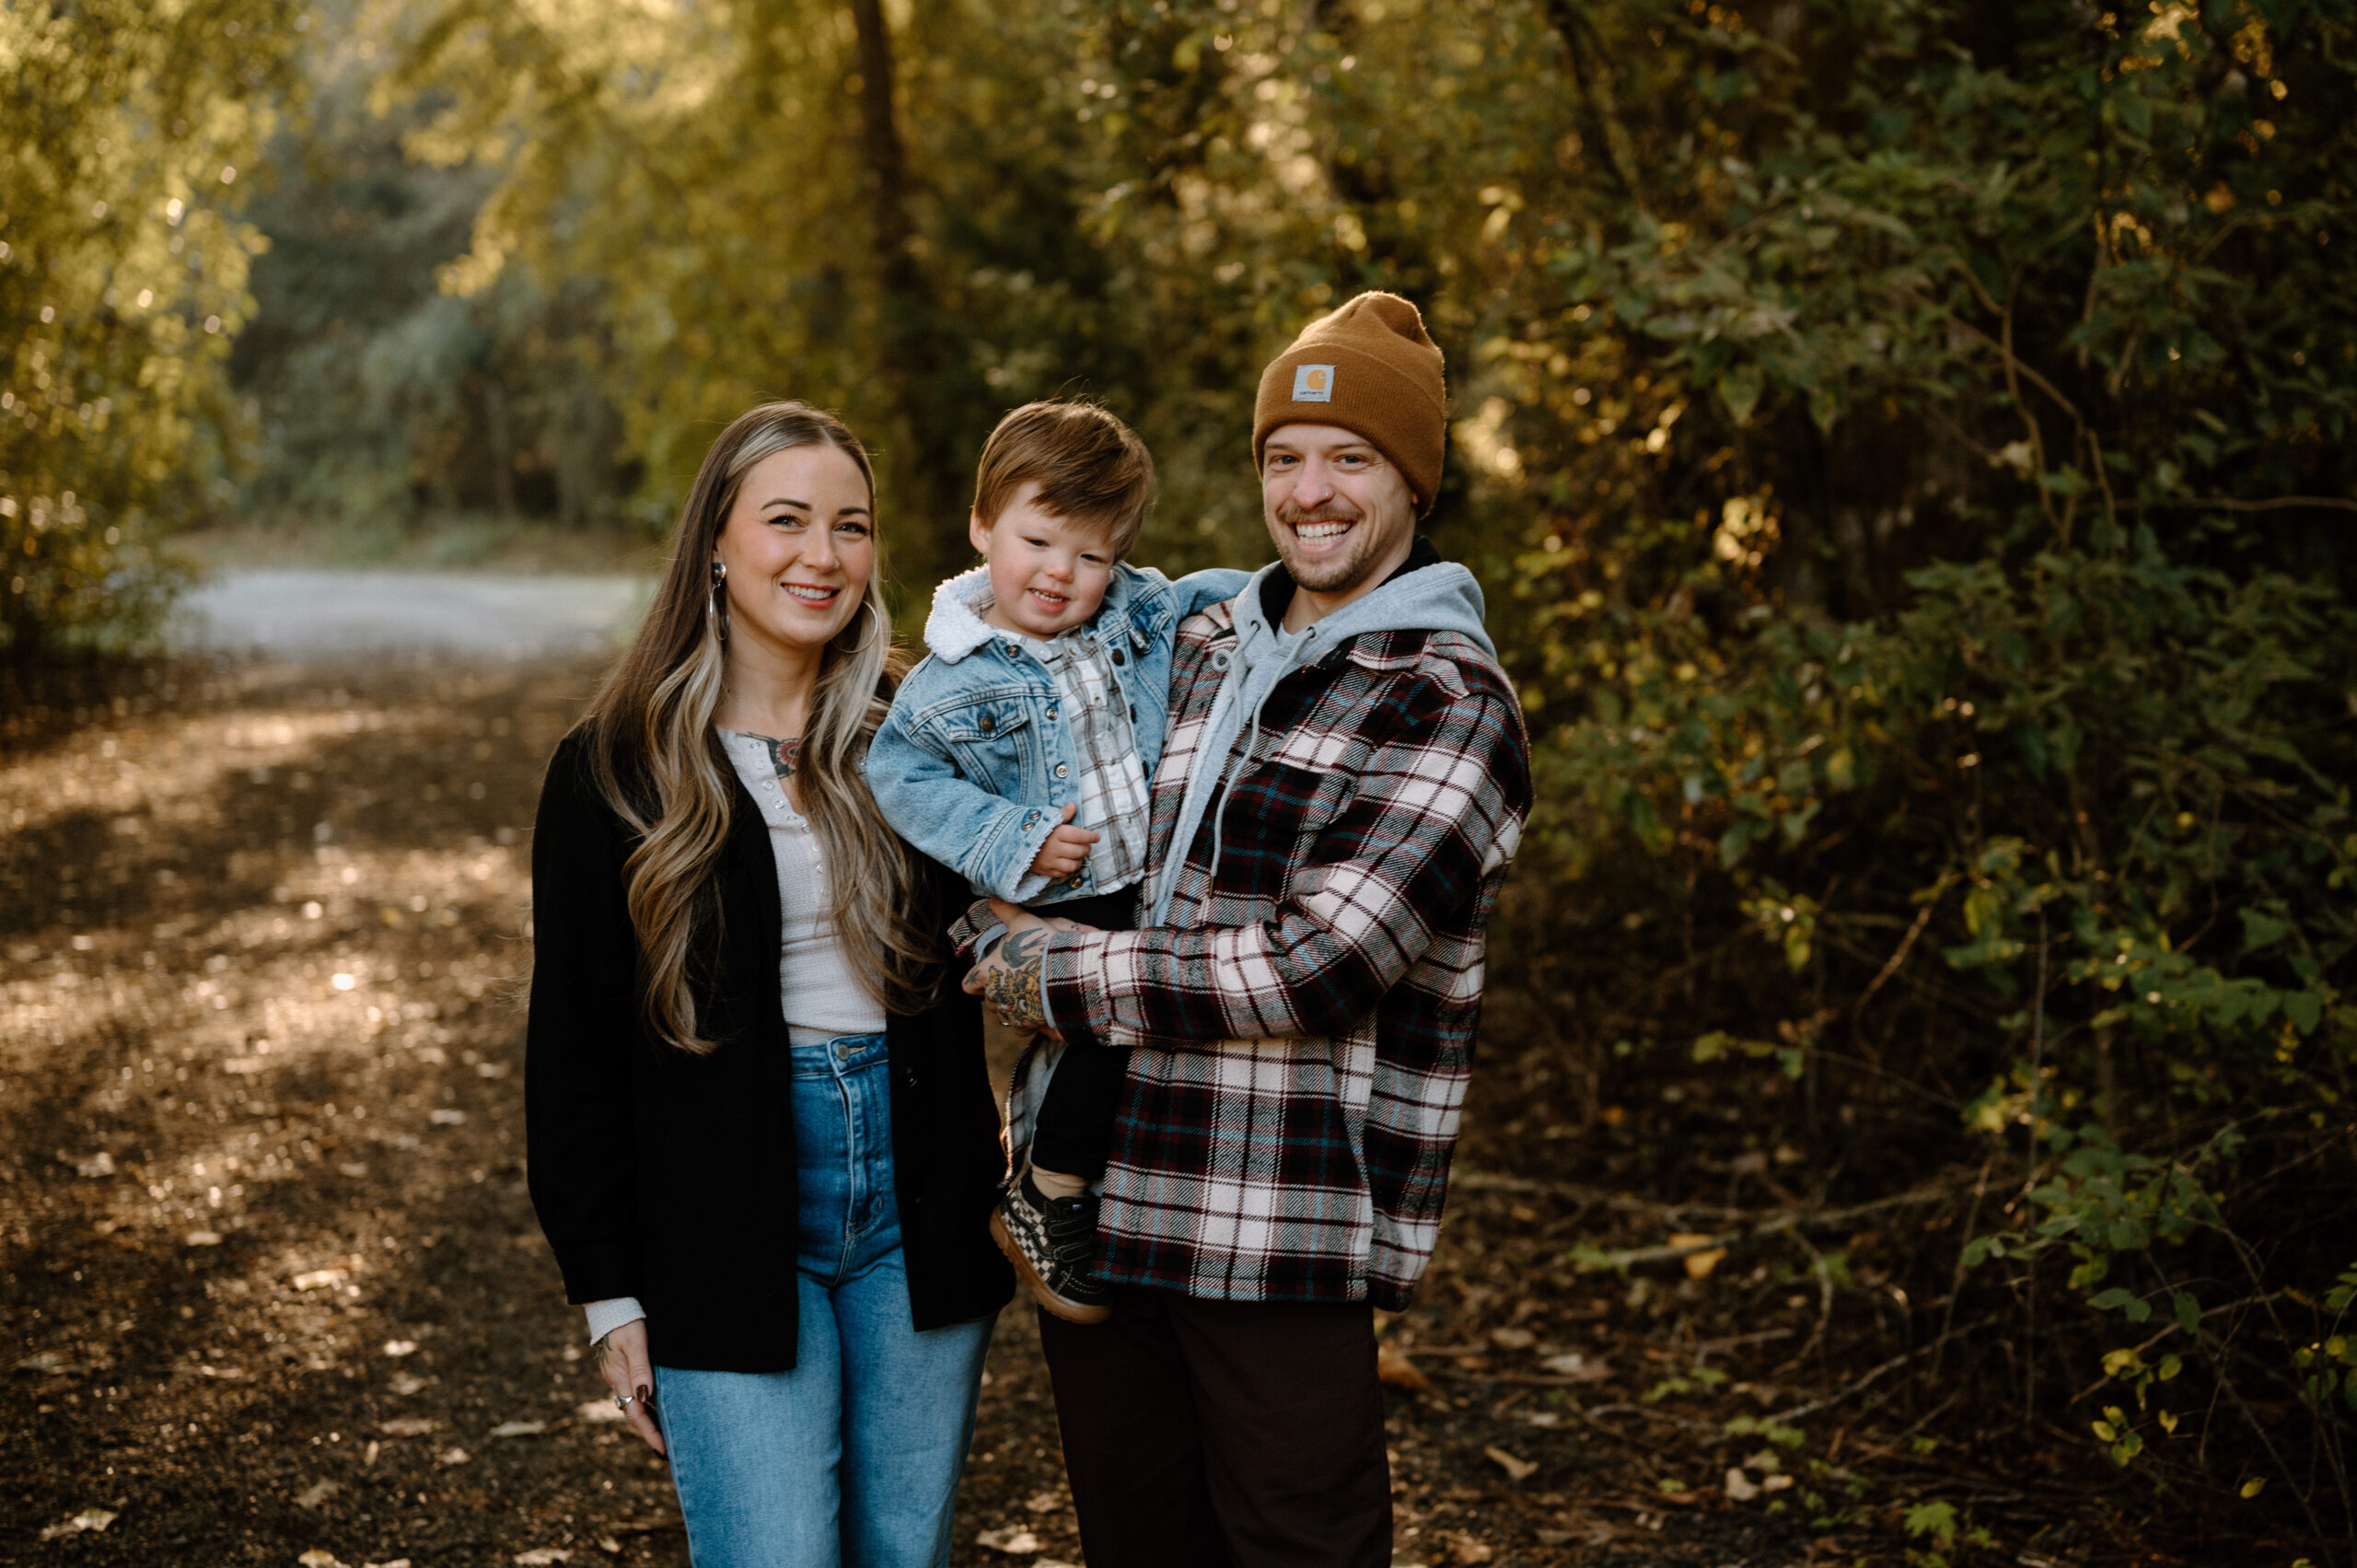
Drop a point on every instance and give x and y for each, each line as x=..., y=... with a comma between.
x=1091, y=468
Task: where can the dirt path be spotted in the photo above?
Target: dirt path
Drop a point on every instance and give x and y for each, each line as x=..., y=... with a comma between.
x=273, y=1285
x=479, y=616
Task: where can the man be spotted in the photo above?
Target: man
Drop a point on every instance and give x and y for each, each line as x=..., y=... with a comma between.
x=1341, y=790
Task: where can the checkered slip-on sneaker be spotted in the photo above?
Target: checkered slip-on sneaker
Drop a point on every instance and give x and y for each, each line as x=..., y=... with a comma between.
x=1048, y=1239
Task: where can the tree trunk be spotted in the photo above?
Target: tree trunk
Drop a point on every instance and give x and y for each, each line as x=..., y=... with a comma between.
x=916, y=358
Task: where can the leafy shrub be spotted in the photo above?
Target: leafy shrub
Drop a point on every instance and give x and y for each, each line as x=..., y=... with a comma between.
x=123, y=129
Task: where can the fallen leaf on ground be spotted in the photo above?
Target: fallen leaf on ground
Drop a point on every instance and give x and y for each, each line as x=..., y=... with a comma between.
x=321, y=1278
x=407, y=1383
x=203, y=1238
x=452, y=1456
x=1392, y=1366
x=316, y=1494
x=1045, y=1501
x=407, y=1426
x=396, y=1563
x=1515, y=1468
x=91, y=1520
x=1465, y=1549
x=541, y=1556
x=1571, y=1364
x=609, y=1544
x=401, y=1348
x=100, y=1164
x=595, y=1411
x=319, y=1557
x=1513, y=1339
x=1775, y=1483
x=519, y=1429
x=448, y=1118
x=1738, y=1487
x=47, y=1361
x=1016, y=1543
x=1698, y=1264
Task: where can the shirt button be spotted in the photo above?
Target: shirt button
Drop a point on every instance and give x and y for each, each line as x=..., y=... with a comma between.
x=1116, y=656
x=1062, y=771
x=1052, y=712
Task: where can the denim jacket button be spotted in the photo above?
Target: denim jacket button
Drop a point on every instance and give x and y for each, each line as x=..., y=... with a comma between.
x=1116, y=656
x=1062, y=771
x=990, y=723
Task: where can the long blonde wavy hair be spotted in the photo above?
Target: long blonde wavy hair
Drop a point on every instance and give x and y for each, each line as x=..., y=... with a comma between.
x=657, y=760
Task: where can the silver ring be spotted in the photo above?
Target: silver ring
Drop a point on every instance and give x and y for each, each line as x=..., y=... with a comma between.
x=623, y=1401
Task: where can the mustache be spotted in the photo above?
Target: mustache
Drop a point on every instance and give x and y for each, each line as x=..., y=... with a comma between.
x=1294, y=517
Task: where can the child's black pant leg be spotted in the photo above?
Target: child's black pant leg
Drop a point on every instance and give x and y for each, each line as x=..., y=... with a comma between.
x=1072, y=1132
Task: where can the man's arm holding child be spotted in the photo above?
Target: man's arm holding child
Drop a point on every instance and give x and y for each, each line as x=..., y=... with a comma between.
x=1439, y=807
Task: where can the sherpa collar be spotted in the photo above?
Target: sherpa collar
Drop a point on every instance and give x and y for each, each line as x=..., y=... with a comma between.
x=956, y=627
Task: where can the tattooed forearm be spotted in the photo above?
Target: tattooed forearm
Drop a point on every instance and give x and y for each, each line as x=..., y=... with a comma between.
x=1014, y=986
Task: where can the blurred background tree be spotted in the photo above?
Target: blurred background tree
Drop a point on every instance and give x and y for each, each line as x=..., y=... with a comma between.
x=1907, y=445
x=124, y=127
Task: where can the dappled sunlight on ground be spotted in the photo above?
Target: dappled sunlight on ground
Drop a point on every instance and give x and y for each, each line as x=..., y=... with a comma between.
x=272, y=1284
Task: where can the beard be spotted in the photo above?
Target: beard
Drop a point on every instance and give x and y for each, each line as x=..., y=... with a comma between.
x=1365, y=547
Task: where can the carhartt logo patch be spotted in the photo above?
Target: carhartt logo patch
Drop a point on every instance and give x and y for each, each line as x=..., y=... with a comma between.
x=1313, y=383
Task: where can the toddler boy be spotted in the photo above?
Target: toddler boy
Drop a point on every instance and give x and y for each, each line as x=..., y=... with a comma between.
x=1018, y=753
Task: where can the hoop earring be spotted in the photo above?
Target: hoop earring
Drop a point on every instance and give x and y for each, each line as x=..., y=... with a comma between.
x=716, y=607
x=876, y=623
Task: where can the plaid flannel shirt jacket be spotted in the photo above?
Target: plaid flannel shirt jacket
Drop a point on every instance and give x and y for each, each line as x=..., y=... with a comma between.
x=1302, y=1025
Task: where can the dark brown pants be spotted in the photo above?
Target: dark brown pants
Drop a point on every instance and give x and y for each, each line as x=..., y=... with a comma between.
x=1223, y=1434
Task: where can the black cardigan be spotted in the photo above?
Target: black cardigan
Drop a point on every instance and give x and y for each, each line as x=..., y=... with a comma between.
x=670, y=1177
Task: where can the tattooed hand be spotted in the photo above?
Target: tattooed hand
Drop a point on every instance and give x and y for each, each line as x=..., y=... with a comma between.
x=1010, y=974
x=1013, y=979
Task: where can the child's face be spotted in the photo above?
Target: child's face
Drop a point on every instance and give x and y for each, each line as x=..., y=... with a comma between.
x=1048, y=573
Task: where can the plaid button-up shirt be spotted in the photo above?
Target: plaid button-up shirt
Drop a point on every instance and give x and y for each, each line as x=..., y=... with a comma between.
x=1111, y=786
x=1302, y=1024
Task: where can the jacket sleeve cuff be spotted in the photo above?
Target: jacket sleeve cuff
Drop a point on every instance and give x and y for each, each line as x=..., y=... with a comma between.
x=1017, y=882
x=1070, y=991
x=605, y=1317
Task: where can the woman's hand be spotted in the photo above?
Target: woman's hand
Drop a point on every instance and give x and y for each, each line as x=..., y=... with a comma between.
x=621, y=1359
x=1009, y=975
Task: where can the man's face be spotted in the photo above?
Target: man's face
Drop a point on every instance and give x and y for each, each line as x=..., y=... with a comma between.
x=1342, y=516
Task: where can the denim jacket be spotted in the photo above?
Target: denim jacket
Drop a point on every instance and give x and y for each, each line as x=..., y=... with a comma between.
x=973, y=766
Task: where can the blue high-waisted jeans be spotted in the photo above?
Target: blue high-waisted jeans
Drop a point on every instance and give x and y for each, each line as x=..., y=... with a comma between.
x=853, y=1457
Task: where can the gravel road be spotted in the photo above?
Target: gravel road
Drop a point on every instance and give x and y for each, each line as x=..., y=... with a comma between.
x=497, y=617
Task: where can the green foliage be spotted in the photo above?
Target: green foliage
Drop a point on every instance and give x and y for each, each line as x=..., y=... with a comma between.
x=124, y=128
x=1907, y=445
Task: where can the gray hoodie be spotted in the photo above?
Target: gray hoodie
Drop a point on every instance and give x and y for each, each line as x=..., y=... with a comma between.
x=1439, y=598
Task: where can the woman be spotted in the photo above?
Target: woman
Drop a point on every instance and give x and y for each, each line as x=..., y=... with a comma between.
x=763, y=1144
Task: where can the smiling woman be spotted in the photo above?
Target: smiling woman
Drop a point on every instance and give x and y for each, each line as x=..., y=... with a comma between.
x=764, y=1146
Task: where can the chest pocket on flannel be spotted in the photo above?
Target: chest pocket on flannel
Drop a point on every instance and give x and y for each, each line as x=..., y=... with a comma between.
x=994, y=744
x=1276, y=810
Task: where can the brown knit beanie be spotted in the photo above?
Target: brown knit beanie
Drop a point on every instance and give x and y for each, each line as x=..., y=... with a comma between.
x=1371, y=368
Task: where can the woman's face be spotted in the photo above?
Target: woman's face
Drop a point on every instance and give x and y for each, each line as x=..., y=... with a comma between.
x=799, y=544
